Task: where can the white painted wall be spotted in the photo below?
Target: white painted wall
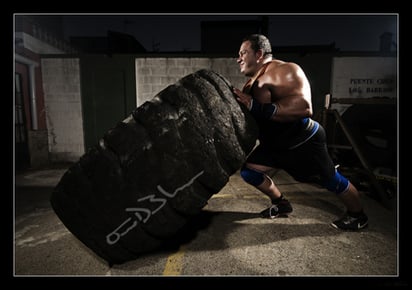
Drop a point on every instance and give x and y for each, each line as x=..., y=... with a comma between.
x=155, y=74
x=61, y=84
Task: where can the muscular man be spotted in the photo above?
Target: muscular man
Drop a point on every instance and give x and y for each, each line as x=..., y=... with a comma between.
x=278, y=95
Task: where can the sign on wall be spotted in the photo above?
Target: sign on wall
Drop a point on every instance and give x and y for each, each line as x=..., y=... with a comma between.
x=363, y=77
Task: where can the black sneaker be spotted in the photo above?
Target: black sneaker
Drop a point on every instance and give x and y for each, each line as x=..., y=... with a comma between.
x=282, y=209
x=351, y=223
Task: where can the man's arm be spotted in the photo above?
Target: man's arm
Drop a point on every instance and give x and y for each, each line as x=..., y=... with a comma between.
x=289, y=90
x=243, y=98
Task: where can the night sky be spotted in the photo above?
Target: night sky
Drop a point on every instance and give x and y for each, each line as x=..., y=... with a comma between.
x=181, y=32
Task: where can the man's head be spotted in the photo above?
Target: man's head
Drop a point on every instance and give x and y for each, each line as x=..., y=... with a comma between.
x=259, y=42
x=254, y=51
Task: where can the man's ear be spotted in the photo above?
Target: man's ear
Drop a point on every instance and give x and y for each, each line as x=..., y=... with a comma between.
x=259, y=54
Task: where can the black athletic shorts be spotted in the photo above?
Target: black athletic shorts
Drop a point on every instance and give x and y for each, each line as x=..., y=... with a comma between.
x=309, y=162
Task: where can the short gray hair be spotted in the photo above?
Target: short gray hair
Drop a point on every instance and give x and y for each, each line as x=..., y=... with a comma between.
x=259, y=41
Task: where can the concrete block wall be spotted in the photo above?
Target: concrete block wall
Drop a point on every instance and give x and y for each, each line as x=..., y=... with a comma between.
x=155, y=74
x=61, y=84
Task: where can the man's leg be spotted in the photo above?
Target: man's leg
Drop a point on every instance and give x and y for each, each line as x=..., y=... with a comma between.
x=256, y=175
x=354, y=218
x=351, y=199
x=267, y=186
x=315, y=155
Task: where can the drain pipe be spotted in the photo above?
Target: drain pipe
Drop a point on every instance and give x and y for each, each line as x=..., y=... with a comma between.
x=33, y=108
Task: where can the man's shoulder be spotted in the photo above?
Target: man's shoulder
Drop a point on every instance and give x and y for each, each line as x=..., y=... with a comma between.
x=279, y=65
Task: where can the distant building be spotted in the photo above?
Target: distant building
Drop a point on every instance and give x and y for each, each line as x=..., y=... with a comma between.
x=34, y=36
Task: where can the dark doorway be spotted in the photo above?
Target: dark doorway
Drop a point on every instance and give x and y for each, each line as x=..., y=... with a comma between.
x=108, y=93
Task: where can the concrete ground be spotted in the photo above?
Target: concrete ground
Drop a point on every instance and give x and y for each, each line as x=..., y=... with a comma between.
x=232, y=240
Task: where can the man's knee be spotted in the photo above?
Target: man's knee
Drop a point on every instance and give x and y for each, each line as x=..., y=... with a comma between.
x=338, y=183
x=251, y=176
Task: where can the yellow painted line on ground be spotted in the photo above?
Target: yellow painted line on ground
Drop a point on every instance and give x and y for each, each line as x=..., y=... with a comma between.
x=174, y=263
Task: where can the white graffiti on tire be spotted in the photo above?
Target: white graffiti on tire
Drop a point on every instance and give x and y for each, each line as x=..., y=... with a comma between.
x=131, y=223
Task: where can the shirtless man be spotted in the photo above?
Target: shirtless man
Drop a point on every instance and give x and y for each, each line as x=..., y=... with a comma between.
x=278, y=95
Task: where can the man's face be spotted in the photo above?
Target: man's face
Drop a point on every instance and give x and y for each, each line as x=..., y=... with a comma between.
x=247, y=59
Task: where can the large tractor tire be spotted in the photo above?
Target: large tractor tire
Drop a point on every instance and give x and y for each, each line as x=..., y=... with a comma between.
x=154, y=171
